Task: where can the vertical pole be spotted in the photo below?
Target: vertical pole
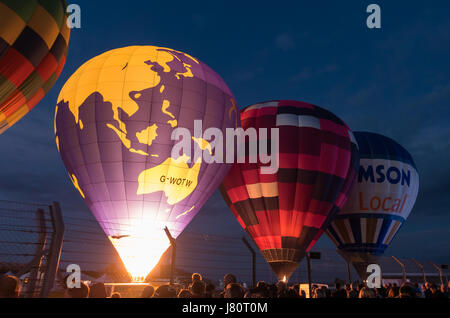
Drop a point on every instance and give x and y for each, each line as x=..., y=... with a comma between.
x=55, y=249
x=440, y=272
x=308, y=263
x=34, y=266
x=174, y=254
x=39, y=253
x=252, y=251
x=422, y=269
x=402, y=266
x=349, y=274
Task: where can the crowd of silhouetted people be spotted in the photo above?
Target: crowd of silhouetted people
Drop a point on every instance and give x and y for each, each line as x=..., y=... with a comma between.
x=356, y=290
x=10, y=287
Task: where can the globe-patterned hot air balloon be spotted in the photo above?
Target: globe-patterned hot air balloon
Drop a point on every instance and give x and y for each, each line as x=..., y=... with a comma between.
x=286, y=212
x=381, y=200
x=114, y=123
x=34, y=39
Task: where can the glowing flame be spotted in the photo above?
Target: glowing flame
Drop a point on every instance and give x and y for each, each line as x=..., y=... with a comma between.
x=141, y=249
x=284, y=279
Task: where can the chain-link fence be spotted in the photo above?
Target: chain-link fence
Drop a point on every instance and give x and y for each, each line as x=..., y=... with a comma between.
x=214, y=256
x=31, y=248
x=30, y=241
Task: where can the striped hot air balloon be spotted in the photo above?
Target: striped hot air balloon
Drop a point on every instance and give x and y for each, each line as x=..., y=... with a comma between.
x=382, y=199
x=286, y=212
x=34, y=39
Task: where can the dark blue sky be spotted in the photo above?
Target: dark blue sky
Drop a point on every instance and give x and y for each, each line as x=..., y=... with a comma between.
x=394, y=81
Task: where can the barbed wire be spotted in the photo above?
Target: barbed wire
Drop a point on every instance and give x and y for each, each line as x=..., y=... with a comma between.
x=23, y=203
x=19, y=243
x=86, y=243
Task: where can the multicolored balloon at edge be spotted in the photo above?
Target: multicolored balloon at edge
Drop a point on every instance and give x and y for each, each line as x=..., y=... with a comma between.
x=34, y=40
x=381, y=201
x=286, y=212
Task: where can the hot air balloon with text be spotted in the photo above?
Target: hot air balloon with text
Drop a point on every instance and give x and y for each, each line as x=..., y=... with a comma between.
x=34, y=39
x=380, y=202
x=285, y=212
x=114, y=126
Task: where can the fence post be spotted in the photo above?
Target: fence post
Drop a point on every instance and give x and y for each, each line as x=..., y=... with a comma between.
x=308, y=264
x=440, y=272
x=349, y=273
x=33, y=267
x=54, y=253
x=36, y=263
x=174, y=253
x=402, y=266
x=422, y=269
x=253, y=260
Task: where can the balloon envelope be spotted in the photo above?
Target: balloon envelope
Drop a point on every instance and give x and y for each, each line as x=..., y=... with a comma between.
x=286, y=212
x=113, y=125
x=34, y=39
x=382, y=199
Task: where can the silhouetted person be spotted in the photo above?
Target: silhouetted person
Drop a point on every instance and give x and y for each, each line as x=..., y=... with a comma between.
x=234, y=290
x=184, y=293
x=444, y=291
x=196, y=277
x=406, y=291
x=98, y=290
x=318, y=293
x=260, y=291
x=417, y=291
x=435, y=292
x=164, y=291
x=326, y=291
x=116, y=295
x=393, y=292
x=148, y=292
x=338, y=292
x=273, y=291
x=426, y=290
x=227, y=279
x=282, y=290
x=209, y=290
x=255, y=293
x=78, y=292
x=367, y=292
x=347, y=288
x=380, y=292
x=9, y=286
x=198, y=289
x=353, y=292
x=261, y=284
x=292, y=293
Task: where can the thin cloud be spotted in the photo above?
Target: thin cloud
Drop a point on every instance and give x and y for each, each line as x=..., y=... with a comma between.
x=285, y=41
x=308, y=73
